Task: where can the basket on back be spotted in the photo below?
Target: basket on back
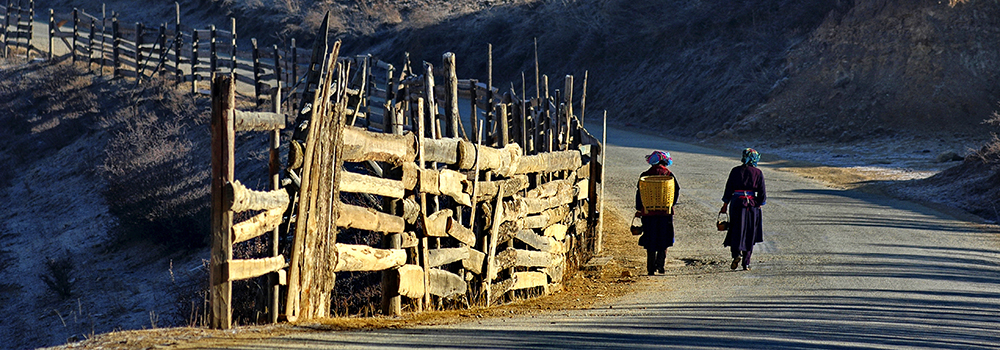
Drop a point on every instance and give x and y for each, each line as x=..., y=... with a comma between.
x=657, y=192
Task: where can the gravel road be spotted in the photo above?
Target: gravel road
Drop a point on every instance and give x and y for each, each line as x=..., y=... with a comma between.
x=837, y=269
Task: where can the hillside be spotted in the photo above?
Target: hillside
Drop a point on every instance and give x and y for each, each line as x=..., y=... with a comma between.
x=105, y=184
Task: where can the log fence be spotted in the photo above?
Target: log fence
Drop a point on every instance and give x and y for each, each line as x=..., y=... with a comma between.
x=140, y=51
x=465, y=220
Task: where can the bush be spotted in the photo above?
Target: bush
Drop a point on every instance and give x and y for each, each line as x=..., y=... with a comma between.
x=60, y=276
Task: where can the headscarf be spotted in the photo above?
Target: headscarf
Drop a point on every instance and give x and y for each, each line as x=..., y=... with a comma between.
x=658, y=157
x=750, y=157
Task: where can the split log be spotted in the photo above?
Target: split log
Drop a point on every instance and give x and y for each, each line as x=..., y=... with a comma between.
x=515, y=209
x=538, y=205
x=362, y=218
x=243, y=199
x=358, y=183
x=508, y=230
x=533, y=240
x=411, y=174
x=474, y=263
x=583, y=172
x=530, y=258
x=436, y=225
x=556, y=247
x=355, y=257
x=459, y=232
x=443, y=150
x=360, y=145
x=503, y=161
x=555, y=272
x=257, y=225
x=557, y=231
x=536, y=221
x=498, y=289
x=489, y=189
x=411, y=210
x=445, y=284
x=502, y=261
x=411, y=281
x=549, y=162
x=551, y=188
x=582, y=189
x=242, y=269
x=529, y=279
x=408, y=240
x=453, y=185
x=259, y=121
x=442, y=256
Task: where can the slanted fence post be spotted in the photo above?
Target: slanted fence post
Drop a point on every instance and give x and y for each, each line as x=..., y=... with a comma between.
x=140, y=29
x=52, y=32
x=194, y=61
x=256, y=70
x=76, y=33
x=116, y=45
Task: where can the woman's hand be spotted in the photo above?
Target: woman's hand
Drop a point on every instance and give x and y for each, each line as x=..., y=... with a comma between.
x=725, y=206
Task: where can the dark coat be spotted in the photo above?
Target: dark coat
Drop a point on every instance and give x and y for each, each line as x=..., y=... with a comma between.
x=657, y=226
x=745, y=227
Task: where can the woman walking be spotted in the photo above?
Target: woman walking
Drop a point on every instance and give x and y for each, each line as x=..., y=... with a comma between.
x=657, y=225
x=746, y=192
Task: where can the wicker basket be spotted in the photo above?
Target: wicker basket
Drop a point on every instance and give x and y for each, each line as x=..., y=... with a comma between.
x=657, y=192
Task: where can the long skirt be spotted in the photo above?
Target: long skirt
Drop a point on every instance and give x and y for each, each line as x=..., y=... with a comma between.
x=657, y=232
x=745, y=227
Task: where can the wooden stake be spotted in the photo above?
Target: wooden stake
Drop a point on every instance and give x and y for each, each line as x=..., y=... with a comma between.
x=223, y=136
x=451, y=95
x=600, y=218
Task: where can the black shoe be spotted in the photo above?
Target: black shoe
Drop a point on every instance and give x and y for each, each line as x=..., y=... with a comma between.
x=652, y=274
x=661, y=270
x=735, y=264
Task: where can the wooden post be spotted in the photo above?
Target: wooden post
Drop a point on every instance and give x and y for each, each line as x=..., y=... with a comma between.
x=76, y=33
x=52, y=31
x=213, y=60
x=598, y=242
x=524, y=117
x=3, y=32
x=116, y=42
x=90, y=45
x=568, y=112
x=256, y=70
x=31, y=28
x=431, y=111
x=277, y=72
x=547, y=119
x=538, y=93
x=503, y=136
x=451, y=95
x=178, y=43
x=293, y=80
x=194, y=61
x=474, y=117
x=161, y=65
x=583, y=98
x=274, y=169
x=139, y=41
x=232, y=28
x=391, y=301
x=490, y=118
x=223, y=135
x=423, y=203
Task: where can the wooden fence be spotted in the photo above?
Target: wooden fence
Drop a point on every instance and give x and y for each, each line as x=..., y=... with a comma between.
x=140, y=51
x=467, y=219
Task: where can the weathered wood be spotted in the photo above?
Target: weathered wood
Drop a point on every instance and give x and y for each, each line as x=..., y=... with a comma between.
x=411, y=281
x=551, y=188
x=504, y=162
x=445, y=284
x=259, y=121
x=508, y=187
x=441, y=150
x=498, y=289
x=460, y=233
x=354, y=257
x=546, y=218
x=502, y=261
x=555, y=272
x=530, y=258
x=257, y=225
x=244, y=199
x=442, y=256
x=474, y=263
x=582, y=189
x=533, y=240
x=549, y=162
x=538, y=205
x=453, y=184
x=529, y=279
x=451, y=95
x=361, y=145
x=358, y=183
x=436, y=225
x=352, y=216
x=557, y=231
x=242, y=269
x=223, y=136
x=411, y=210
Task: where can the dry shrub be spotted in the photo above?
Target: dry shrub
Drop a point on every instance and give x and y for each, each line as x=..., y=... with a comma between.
x=59, y=277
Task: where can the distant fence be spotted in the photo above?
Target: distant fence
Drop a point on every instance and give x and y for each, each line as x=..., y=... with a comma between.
x=474, y=219
x=140, y=51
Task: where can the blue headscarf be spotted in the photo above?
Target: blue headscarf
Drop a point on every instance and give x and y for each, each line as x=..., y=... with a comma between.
x=658, y=157
x=750, y=157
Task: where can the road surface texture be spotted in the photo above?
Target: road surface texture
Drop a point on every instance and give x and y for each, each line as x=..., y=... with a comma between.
x=837, y=270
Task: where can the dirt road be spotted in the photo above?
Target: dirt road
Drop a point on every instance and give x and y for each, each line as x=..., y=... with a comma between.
x=838, y=269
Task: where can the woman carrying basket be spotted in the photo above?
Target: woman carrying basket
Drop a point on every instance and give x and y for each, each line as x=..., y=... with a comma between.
x=657, y=225
x=745, y=190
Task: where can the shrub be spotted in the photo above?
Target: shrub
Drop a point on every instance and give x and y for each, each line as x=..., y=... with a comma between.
x=59, y=277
